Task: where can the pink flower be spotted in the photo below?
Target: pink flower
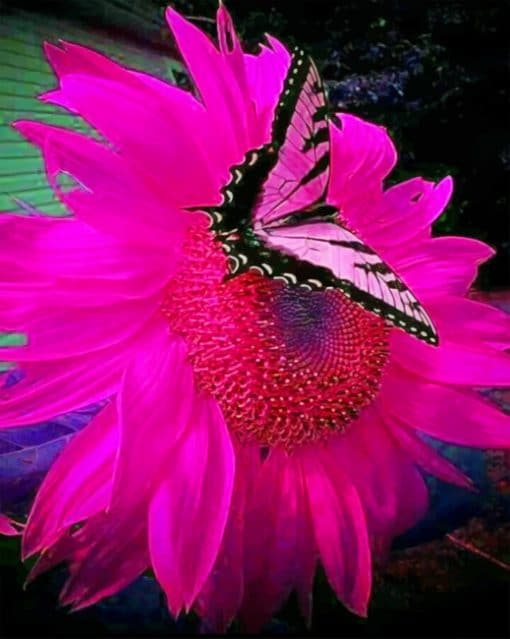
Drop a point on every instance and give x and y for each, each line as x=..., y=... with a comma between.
x=254, y=428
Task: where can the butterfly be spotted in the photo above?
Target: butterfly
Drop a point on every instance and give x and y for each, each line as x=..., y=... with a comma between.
x=274, y=219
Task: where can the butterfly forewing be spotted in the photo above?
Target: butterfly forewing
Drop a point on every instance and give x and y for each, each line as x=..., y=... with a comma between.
x=301, y=137
x=291, y=171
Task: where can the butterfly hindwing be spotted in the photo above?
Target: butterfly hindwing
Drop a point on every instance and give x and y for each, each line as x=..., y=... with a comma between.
x=336, y=258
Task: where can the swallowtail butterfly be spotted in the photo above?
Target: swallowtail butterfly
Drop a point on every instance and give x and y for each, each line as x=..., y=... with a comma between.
x=274, y=218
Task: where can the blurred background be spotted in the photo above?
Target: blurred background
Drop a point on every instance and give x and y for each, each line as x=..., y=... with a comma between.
x=436, y=75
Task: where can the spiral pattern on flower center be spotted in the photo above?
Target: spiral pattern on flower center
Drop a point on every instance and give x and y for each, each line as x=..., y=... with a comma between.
x=287, y=366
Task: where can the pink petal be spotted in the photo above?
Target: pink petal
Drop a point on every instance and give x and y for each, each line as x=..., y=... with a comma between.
x=273, y=565
x=269, y=548
x=260, y=77
x=155, y=403
x=42, y=236
x=218, y=85
x=426, y=457
x=79, y=60
x=222, y=594
x=184, y=174
x=441, y=266
x=60, y=386
x=104, y=556
x=21, y=280
x=111, y=196
x=78, y=484
x=266, y=73
x=65, y=250
x=154, y=93
x=196, y=491
x=24, y=305
x=374, y=466
x=230, y=48
x=6, y=528
x=53, y=556
x=111, y=549
x=62, y=63
x=74, y=58
x=107, y=553
x=57, y=333
x=408, y=209
x=413, y=501
x=468, y=321
x=340, y=530
x=57, y=98
x=362, y=155
x=307, y=553
x=110, y=552
x=457, y=416
x=450, y=362
x=390, y=488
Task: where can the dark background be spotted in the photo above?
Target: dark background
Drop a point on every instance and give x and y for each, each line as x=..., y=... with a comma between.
x=436, y=74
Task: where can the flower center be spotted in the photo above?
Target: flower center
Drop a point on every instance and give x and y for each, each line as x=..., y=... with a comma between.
x=286, y=365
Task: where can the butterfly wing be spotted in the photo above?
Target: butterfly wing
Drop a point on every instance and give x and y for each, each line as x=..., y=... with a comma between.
x=300, y=136
x=264, y=218
x=290, y=172
x=333, y=257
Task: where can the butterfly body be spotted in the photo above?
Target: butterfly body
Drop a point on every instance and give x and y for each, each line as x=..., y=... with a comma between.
x=273, y=217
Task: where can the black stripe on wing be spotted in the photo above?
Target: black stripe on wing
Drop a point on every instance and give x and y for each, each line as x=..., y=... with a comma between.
x=321, y=166
x=294, y=81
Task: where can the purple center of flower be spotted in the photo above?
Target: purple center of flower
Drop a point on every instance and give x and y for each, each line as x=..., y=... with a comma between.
x=311, y=324
x=286, y=365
